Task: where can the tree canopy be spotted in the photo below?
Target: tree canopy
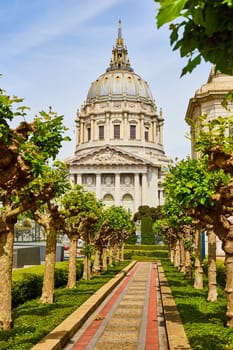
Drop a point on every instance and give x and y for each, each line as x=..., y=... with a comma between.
x=203, y=30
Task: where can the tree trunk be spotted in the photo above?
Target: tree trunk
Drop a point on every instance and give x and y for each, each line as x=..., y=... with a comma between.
x=188, y=265
x=177, y=255
x=110, y=255
x=96, y=265
x=72, y=275
x=117, y=254
x=182, y=257
x=172, y=254
x=212, y=281
x=187, y=252
x=87, y=268
x=122, y=252
x=229, y=288
x=104, y=259
x=6, y=263
x=50, y=259
x=198, y=274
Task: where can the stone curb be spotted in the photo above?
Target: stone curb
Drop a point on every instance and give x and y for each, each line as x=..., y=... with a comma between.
x=176, y=336
x=61, y=335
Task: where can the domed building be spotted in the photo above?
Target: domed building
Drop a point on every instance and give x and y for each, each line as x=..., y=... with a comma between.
x=119, y=151
x=208, y=101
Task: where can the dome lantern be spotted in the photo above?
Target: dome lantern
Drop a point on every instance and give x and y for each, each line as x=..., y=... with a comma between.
x=119, y=60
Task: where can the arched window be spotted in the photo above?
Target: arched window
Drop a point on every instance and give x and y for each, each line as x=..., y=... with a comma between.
x=127, y=201
x=108, y=200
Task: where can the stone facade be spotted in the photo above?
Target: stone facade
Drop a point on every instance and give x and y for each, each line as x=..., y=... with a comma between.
x=119, y=151
x=208, y=101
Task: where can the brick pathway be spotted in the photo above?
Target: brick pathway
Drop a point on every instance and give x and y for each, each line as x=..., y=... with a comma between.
x=130, y=318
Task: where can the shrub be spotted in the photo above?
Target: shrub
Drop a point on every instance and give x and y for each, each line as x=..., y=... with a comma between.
x=147, y=234
x=27, y=282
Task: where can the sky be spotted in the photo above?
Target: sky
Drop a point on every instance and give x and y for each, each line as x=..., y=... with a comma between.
x=52, y=50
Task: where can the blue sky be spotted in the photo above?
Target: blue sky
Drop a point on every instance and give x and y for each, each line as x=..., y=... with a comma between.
x=51, y=51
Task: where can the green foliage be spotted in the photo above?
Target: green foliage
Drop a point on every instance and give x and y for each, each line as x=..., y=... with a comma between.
x=26, y=289
x=27, y=282
x=147, y=234
x=119, y=220
x=203, y=321
x=145, y=210
x=203, y=30
x=146, y=247
x=190, y=184
x=216, y=133
x=146, y=252
x=132, y=239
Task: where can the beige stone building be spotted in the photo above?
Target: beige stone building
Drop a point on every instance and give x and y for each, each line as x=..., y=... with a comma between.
x=119, y=151
x=207, y=101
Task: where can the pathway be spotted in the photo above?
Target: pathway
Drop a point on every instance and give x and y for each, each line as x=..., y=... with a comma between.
x=131, y=318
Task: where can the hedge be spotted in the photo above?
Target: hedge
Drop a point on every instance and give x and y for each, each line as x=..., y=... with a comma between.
x=27, y=282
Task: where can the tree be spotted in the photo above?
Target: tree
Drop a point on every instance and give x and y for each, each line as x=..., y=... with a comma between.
x=193, y=187
x=89, y=215
x=177, y=228
x=147, y=215
x=50, y=216
x=122, y=226
x=203, y=31
x=24, y=153
x=217, y=143
x=76, y=209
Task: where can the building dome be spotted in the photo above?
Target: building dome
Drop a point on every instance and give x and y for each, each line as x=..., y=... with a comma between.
x=119, y=82
x=113, y=85
x=119, y=152
x=119, y=110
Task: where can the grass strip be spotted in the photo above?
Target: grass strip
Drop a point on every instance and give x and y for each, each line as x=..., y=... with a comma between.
x=204, y=322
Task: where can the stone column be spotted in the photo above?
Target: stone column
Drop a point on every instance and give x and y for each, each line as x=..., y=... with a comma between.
x=82, y=132
x=92, y=129
x=107, y=135
x=144, y=189
x=125, y=127
x=153, y=131
x=79, y=179
x=137, y=192
x=98, y=186
x=141, y=127
x=117, y=189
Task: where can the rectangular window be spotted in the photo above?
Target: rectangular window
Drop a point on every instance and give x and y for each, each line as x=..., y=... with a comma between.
x=132, y=132
x=146, y=135
x=101, y=132
x=88, y=134
x=116, y=131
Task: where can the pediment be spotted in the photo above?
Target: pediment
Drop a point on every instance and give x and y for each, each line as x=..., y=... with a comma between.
x=108, y=156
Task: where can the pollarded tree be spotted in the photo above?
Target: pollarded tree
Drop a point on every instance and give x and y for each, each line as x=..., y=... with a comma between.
x=122, y=226
x=50, y=216
x=175, y=221
x=115, y=227
x=75, y=208
x=101, y=240
x=24, y=153
x=203, y=29
x=194, y=188
x=89, y=216
x=217, y=143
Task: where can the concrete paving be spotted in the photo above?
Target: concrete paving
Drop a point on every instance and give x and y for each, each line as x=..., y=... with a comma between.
x=133, y=311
